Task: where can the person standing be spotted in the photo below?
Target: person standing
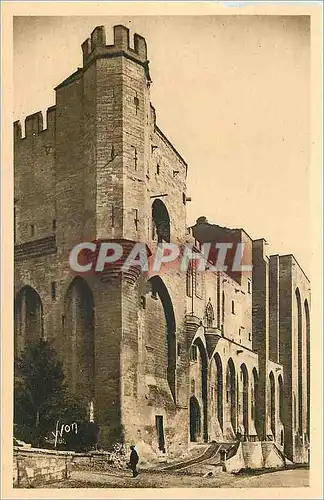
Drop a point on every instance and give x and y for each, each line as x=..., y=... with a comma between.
x=133, y=460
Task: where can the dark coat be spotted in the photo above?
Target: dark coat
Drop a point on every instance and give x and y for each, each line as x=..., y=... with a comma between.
x=133, y=458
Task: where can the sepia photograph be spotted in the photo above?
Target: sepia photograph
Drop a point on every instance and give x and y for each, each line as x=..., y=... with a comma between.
x=162, y=252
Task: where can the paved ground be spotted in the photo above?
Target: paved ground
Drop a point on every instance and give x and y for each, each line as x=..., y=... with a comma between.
x=150, y=479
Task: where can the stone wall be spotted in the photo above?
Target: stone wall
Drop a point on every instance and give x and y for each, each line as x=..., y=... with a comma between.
x=33, y=466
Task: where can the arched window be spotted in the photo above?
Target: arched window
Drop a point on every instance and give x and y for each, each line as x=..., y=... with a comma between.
x=161, y=222
x=28, y=318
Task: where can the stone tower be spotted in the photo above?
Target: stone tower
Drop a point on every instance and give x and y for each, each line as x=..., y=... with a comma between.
x=112, y=175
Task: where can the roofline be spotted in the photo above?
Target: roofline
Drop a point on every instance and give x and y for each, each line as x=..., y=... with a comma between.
x=294, y=258
x=225, y=227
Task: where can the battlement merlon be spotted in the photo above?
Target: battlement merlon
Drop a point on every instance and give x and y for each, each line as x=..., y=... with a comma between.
x=95, y=46
x=34, y=124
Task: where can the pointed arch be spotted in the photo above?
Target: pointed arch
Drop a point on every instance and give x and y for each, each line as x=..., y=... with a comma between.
x=254, y=398
x=219, y=388
x=159, y=289
x=209, y=314
x=79, y=342
x=204, y=373
x=272, y=404
x=245, y=397
x=161, y=221
x=28, y=318
x=231, y=392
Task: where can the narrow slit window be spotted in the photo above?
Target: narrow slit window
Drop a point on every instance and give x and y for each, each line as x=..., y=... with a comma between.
x=135, y=158
x=112, y=216
x=136, y=219
x=136, y=103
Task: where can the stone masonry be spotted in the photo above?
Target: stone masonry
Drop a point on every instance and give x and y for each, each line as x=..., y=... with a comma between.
x=165, y=359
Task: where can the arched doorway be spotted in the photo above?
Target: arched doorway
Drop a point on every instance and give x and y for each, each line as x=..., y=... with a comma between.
x=245, y=398
x=161, y=222
x=195, y=419
x=28, y=316
x=203, y=378
x=219, y=389
x=231, y=393
x=79, y=342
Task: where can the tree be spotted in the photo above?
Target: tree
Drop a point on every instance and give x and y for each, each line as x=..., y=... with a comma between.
x=41, y=395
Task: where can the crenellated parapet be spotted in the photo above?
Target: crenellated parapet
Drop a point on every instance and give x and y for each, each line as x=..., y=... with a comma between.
x=34, y=124
x=95, y=46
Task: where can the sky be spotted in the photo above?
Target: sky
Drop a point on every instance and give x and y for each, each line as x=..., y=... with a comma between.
x=232, y=93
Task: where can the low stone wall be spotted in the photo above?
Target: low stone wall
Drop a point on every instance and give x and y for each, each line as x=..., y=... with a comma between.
x=252, y=453
x=35, y=466
x=255, y=455
x=236, y=462
x=99, y=460
x=272, y=456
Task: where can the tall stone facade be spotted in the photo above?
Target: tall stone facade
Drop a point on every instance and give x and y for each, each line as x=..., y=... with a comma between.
x=165, y=359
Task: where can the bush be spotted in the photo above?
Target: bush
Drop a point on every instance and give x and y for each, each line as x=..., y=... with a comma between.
x=41, y=399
